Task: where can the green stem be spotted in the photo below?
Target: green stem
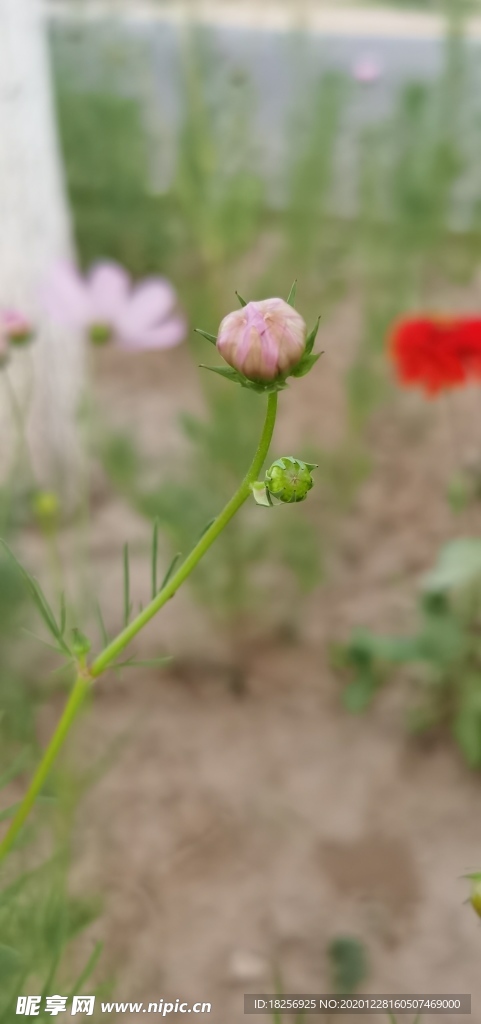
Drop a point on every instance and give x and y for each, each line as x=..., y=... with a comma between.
x=77, y=696
x=21, y=452
x=19, y=416
x=86, y=676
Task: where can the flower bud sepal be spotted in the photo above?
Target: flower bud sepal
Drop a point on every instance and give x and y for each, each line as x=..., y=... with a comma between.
x=238, y=378
x=80, y=645
x=308, y=360
x=262, y=496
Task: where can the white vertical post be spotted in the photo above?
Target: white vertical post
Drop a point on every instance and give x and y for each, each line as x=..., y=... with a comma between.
x=34, y=233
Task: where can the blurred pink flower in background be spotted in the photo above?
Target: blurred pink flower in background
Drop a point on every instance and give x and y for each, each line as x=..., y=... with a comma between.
x=108, y=307
x=15, y=327
x=367, y=68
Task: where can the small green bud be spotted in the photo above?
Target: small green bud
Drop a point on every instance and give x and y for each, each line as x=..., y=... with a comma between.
x=289, y=480
x=100, y=334
x=475, y=897
x=46, y=507
x=80, y=644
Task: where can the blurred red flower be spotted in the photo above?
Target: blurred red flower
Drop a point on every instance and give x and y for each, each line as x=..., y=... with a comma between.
x=436, y=353
x=468, y=344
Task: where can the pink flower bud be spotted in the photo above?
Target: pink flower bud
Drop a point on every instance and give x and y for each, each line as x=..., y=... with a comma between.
x=15, y=327
x=263, y=340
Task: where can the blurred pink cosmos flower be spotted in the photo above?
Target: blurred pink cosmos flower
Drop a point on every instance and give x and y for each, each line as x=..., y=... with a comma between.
x=15, y=327
x=108, y=307
x=263, y=340
x=367, y=69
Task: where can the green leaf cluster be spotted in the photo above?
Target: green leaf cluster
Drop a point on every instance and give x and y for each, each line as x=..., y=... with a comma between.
x=441, y=658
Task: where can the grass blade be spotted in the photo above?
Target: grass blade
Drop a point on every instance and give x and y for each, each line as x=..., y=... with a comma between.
x=63, y=613
x=241, y=300
x=37, y=595
x=103, y=631
x=291, y=298
x=155, y=551
x=87, y=970
x=40, y=640
x=205, y=528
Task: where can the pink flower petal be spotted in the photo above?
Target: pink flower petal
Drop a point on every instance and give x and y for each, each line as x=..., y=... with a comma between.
x=65, y=296
x=150, y=304
x=166, y=335
x=108, y=284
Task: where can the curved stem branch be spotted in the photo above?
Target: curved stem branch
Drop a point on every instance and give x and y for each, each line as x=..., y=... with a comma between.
x=114, y=649
x=108, y=656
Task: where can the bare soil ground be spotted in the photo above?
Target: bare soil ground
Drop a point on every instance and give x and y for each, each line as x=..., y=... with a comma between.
x=235, y=837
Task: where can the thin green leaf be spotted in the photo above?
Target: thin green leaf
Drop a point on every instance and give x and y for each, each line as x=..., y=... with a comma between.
x=103, y=631
x=291, y=298
x=55, y=963
x=70, y=663
x=171, y=569
x=10, y=892
x=87, y=970
x=206, y=527
x=9, y=812
x=40, y=640
x=241, y=300
x=39, y=599
x=15, y=768
x=146, y=663
x=305, y=365
x=42, y=604
x=47, y=615
x=63, y=613
x=10, y=960
x=127, y=604
x=205, y=334
x=155, y=552
x=311, y=338
x=45, y=608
